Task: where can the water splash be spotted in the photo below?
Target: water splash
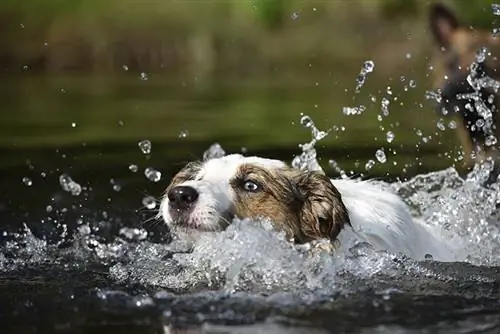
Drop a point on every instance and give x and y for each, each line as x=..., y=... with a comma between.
x=213, y=152
x=149, y=202
x=496, y=9
x=152, y=174
x=307, y=159
x=368, y=67
x=465, y=209
x=145, y=146
x=350, y=111
x=69, y=185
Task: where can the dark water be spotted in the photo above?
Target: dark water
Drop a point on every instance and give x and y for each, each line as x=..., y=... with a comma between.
x=67, y=266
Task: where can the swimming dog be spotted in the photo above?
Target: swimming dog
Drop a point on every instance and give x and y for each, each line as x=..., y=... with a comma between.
x=306, y=205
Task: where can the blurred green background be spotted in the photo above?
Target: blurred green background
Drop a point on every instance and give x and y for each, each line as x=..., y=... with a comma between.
x=94, y=77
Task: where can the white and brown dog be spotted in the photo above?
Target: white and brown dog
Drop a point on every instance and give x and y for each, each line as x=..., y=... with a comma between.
x=307, y=206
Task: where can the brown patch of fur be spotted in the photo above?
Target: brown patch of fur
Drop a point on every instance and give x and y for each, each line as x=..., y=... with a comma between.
x=189, y=172
x=456, y=47
x=305, y=205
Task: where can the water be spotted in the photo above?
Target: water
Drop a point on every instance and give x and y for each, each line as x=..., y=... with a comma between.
x=77, y=255
x=109, y=275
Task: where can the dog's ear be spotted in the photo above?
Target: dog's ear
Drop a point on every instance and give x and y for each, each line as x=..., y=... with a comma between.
x=322, y=214
x=443, y=24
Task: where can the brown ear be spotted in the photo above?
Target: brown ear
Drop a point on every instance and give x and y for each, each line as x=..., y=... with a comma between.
x=443, y=24
x=323, y=214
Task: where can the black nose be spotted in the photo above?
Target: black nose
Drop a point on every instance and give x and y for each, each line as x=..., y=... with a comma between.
x=181, y=197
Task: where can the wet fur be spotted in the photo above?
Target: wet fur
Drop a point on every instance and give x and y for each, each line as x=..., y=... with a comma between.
x=308, y=206
x=305, y=205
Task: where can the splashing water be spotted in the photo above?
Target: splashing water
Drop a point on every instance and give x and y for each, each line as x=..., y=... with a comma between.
x=307, y=159
x=69, y=185
x=250, y=267
x=214, y=151
x=145, y=146
x=496, y=9
x=152, y=174
x=368, y=67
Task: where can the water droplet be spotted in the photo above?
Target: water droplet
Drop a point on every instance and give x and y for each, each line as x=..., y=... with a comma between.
x=134, y=234
x=369, y=164
x=385, y=106
x=26, y=67
x=49, y=208
x=73, y=125
x=408, y=56
x=214, y=151
x=440, y=125
x=152, y=174
x=144, y=76
x=368, y=66
x=120, y=123
x=125, y=67
x=294, y=16
x=495, y=8
x=412, y=84
x=145, y=146
x=380, y=155
x=133, y=168
x=389, y=136
x=116, y=186
x=184, y=134
x=334, y=164
x=306, y=121
x=69, y=185
x=318, y=135
x=27, y=181
x=481, y=55
x=491, y=140
x=358, y=110
x=149, y=202
x=452, y=125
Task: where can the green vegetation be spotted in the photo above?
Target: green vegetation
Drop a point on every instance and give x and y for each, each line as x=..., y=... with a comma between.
x=238, y=72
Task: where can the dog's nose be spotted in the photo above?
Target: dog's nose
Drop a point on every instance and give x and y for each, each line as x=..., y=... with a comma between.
x=182, y=197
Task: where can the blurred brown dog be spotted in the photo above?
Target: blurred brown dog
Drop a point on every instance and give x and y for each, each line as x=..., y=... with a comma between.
x=457, y=48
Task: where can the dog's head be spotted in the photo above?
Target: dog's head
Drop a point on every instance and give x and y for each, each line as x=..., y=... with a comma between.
x=207, y=196
x=456, y=49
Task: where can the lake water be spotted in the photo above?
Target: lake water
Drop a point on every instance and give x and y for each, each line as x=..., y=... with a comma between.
x=95, y=260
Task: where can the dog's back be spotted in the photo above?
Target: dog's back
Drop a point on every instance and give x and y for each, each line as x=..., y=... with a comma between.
x=382, y=219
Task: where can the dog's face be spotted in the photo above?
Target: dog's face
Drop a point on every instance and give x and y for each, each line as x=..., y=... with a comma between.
x=207, y=196
x=456, y=49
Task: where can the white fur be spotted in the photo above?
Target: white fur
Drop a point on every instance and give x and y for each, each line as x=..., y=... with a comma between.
x=377, y=216
x=382, y=219
x=215, y=194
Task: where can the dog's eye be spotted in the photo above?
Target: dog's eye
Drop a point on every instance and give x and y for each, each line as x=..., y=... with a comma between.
x=251, y=186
